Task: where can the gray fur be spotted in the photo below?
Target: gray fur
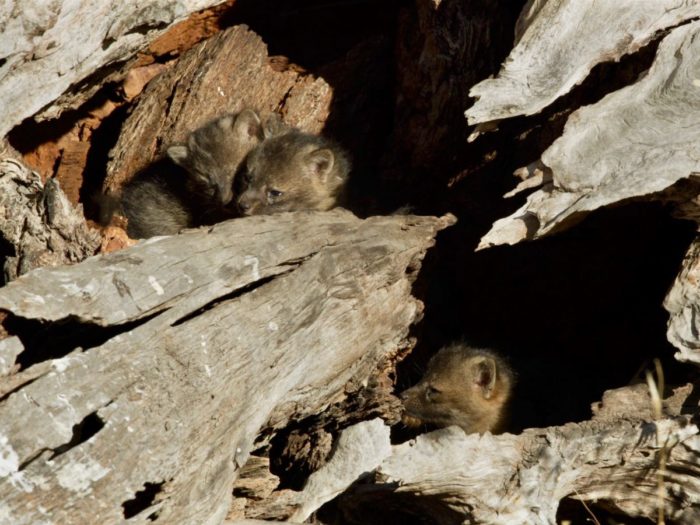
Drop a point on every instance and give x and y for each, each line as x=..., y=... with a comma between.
x=294, y=171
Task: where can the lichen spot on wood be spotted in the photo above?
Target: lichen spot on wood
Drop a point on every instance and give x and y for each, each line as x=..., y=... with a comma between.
x=249, y=260
x=155, y=285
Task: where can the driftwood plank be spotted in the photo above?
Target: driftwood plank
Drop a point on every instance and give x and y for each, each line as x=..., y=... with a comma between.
x=225, y=73
x=635, y=142
x=253, y=322
x=457, y=478
x=559, y=42
x=46, y=51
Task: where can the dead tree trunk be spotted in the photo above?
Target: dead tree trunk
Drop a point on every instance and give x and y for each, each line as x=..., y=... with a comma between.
x=204, y=340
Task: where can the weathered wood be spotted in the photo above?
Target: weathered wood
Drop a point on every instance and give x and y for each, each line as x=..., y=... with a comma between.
x=683, y=305
x=559, y=41
x=248, y=324
x=225, y=73
x=635, y=142
x=457, y=478
x=46, y=51
x=38, y=223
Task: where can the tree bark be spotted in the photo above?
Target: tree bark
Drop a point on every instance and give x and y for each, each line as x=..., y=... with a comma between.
x=39, y=226
x=226, y=73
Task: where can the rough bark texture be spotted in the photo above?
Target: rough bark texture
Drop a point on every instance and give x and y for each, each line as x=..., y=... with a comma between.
x=47, y=53
x=555, y=49
x=228, y=72
x=627, y=145
x=683, y=305
x=249, y=324
x=37, y=223
x=507, y=479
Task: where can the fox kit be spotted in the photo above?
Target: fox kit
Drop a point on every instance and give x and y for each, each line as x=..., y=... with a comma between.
x=294, y=171
x=462, y=386
x=197, y=188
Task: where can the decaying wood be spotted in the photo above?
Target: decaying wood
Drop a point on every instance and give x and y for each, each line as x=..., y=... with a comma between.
x=635, y=142
x=457, y=478
x=46, y=51
x=249, y=324
x=39, y=223
x=683, y=305
x=227, y=72
x=559, y=41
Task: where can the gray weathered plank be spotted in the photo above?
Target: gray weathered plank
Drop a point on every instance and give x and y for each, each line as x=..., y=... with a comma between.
x=635, y=142
x=46, y=49
x=184, y=394
x=559, y=42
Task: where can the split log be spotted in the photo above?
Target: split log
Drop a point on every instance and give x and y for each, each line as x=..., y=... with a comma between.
x=559, y=41
x=623, y=462
x=225, y=73
x=39, y=226
x=635, y=142
x=203, y=340
x=49, y=62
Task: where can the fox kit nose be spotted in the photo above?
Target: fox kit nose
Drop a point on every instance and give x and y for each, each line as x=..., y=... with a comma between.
x=243, y=206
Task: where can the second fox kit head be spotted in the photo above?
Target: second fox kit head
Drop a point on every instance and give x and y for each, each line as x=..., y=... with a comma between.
x=462, y=386
x=214, y=152
x=294, y=171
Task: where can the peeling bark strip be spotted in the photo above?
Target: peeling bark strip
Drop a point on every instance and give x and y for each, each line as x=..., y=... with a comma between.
x=683, y=305
x=38, y=223
x=507, y=479
x=635, y=142
x=560, y=41
x=46, y=50
x=254, y=320
x=225, y=73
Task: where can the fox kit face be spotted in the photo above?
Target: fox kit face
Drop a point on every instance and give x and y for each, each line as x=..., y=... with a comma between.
x=293, y=171
x=214, y=153
x=462, y=386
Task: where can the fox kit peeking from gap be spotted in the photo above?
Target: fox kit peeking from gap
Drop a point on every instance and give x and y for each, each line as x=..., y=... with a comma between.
x=162, y=201
x=462, y=386
x=294, y=171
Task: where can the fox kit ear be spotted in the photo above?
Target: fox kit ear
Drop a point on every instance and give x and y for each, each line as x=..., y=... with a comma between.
x=274, y=125
x=320, y=162
x=178, y=154
x=248, y=126
x=484, y=375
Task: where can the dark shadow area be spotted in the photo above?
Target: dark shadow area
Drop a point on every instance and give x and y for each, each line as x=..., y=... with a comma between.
x=43, y=340
x=576, y=313
x=142, y=500
x=88, y=427
x=576, y=512
x=312, y=33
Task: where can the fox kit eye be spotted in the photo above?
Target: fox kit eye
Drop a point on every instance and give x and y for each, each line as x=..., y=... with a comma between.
x=430, y=393
x=273, y=194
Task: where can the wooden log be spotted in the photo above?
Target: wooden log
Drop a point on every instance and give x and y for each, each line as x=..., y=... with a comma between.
x=635, y=142
x=617, y=461
x=210, y=336
x=39, y=224
x=225, y=73
x=50, y=61
x=559, y=41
